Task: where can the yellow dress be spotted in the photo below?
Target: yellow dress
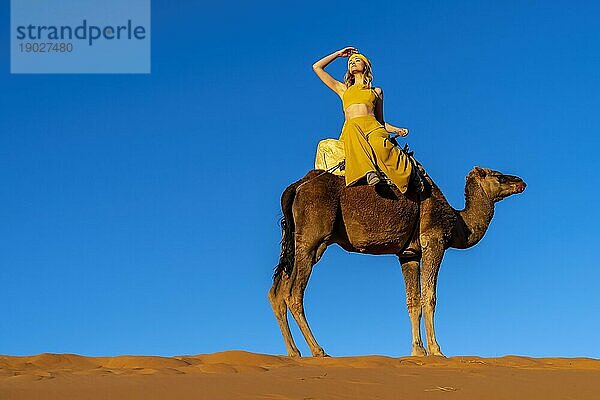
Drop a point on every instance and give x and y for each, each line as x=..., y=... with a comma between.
x=367, y=145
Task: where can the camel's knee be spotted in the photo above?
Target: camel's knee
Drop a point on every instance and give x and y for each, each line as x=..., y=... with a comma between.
x=428, y=302
x=413, y=303
x=429, y=307
x=276, y=297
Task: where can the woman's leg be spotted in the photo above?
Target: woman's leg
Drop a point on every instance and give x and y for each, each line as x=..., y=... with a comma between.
x=360, y=156
x=390, y=159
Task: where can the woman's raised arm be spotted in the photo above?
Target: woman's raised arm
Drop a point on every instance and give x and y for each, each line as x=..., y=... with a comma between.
x=327, y=79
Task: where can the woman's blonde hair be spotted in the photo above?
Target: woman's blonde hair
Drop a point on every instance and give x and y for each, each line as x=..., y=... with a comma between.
x=367, y=74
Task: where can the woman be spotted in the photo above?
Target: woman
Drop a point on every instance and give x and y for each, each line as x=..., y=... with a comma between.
x=365, y=134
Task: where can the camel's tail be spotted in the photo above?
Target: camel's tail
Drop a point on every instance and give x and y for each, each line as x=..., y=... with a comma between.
x=286, y=258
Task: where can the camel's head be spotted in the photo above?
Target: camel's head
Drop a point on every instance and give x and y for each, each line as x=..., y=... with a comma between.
x=495, y=184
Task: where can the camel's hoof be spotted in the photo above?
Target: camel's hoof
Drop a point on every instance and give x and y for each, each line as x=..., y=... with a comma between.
x=418, y=351
x=294, y=354
x=434, y=349
x=320, y=353
x=437, y=353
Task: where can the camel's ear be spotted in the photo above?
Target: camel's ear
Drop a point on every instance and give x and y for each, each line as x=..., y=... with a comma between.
x=480, y=171
x=476, y=172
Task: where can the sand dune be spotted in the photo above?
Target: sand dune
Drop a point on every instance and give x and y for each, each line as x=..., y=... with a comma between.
x=244, y=375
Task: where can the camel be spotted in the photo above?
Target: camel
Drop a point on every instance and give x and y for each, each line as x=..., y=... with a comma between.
x=319, y=210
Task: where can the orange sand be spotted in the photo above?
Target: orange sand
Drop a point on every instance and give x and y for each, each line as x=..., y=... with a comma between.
x=243, y=375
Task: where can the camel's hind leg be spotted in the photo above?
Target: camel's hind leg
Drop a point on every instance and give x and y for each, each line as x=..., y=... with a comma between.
x=314, y=212
x=412, y=281
x=305, y=259
x=277, y=295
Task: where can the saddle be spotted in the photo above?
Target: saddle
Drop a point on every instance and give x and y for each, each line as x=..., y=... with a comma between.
x=331, y=158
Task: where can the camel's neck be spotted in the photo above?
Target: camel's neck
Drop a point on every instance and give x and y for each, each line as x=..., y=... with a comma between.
x=474, y=219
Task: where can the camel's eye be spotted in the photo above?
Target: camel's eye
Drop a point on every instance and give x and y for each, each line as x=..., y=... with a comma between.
x=502, y=179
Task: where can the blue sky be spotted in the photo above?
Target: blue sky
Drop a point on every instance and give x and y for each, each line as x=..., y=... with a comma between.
x=140, y=212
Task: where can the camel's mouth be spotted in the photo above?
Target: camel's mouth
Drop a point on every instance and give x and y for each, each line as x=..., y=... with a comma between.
x=519, y=187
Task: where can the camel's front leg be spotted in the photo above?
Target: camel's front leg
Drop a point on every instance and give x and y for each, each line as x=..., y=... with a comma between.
x=433, y=252
x=412, y=281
